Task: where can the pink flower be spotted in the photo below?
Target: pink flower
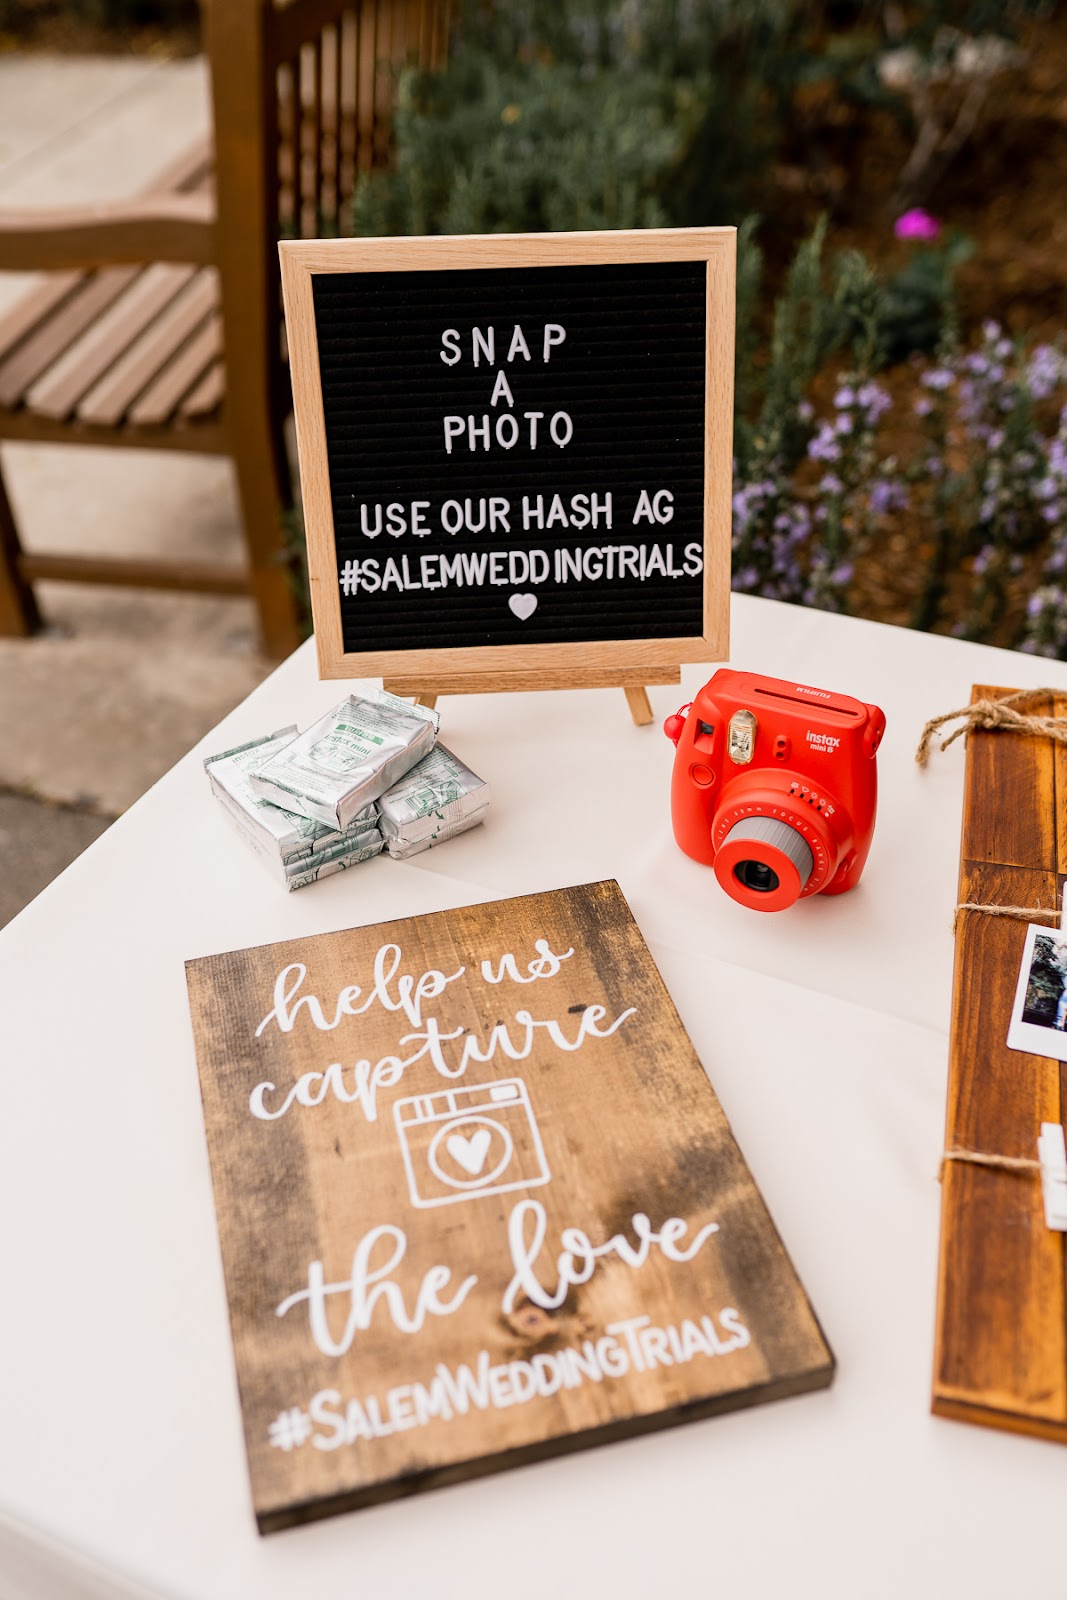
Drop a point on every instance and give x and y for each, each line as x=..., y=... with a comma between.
x=917, y=224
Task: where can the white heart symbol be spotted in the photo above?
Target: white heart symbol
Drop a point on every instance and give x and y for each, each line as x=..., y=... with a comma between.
x=470, y=1153
x=523, y=605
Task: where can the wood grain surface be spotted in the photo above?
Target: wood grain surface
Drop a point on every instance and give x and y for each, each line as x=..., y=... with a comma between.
x=566, y=1114
x=1001, y=1349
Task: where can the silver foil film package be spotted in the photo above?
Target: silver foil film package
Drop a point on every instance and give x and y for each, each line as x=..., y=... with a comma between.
x=285, y=833
x=384, y=698
x=361, y=843
x=297, y=871
x=440, y=790
x=363, y=848
x=347, y=759
x=404, y=849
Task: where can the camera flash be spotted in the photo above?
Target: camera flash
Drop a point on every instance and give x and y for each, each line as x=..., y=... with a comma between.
x=741, y=739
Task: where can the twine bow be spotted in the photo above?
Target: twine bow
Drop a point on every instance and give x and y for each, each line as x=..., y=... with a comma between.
x=994, y=714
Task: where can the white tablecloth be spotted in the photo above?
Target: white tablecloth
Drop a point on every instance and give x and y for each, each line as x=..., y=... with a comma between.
x=823, y=1029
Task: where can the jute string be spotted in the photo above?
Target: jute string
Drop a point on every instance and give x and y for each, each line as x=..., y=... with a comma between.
x=1020, y=913
x=978, y=1158
x=994, y=715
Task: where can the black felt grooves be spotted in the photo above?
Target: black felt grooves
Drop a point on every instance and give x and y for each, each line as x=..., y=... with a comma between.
x=629, y=375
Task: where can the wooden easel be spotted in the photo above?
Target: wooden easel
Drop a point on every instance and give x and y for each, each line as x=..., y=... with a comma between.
x=633, y=682
x=480, y=647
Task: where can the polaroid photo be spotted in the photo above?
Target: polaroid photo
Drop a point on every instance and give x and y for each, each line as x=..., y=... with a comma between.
x=1039, y=1014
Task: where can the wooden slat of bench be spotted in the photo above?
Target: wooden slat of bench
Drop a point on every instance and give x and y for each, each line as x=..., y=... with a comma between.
x=58, y=391
x=37, y=304
x=36, y=353
x=107, y=402
x=205, y=435
x=194, y=577
x=29, y=324
x=160, y=400
x=207, y=396
x=189, y=172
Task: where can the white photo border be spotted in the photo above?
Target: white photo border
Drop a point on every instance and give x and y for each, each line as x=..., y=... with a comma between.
x=1033, y=1038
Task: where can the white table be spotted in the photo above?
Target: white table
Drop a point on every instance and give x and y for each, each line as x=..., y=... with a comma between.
x=824, y=1030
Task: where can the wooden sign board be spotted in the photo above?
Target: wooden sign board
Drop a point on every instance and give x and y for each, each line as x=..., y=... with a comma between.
x=515, y=454
x=478, y=1203
x=1001, y=1341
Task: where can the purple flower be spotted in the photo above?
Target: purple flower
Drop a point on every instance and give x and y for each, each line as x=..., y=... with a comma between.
x=844, y=398
x=824, y=447
x=873, y=400
x=887, y=496
x=938, y=378
x=831, y=484
x=917, y=224
x=1044, y=372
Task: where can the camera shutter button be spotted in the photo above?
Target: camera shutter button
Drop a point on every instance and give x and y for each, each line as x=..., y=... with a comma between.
x=702, y=775
x=779, y=836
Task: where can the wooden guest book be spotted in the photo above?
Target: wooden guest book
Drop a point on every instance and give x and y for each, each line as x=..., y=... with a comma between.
x=1001, y=1349
x=478, y=1203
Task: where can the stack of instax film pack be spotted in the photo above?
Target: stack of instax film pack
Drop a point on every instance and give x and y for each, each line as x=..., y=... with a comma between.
x=367, y=775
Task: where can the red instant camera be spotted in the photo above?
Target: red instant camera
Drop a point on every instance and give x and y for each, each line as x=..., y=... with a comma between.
x=775, y=786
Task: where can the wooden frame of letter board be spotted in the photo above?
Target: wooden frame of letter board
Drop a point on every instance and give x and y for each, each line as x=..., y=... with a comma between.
x=1001, y=1346
x=480, y=669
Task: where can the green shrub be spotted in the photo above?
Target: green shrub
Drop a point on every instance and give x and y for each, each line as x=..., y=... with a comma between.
x=487, y=148
x=591, y=114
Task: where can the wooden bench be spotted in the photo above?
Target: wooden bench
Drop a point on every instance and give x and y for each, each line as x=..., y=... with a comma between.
x=159, y=323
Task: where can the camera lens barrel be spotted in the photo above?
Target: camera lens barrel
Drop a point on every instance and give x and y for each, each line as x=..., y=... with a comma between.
x=764, y=863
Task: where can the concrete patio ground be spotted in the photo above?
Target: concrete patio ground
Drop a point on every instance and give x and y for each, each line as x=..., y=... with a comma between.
x=121, y=682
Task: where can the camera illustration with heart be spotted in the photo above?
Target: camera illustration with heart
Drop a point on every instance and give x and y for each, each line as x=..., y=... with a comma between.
x=462, y=1144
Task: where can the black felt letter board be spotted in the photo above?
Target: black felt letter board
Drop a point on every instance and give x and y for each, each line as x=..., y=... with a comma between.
x=621, y=400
